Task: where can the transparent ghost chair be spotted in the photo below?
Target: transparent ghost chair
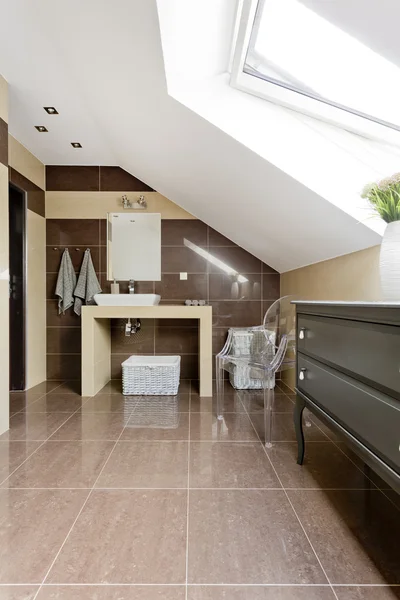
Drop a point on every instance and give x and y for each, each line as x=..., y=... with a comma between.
x=267, y=349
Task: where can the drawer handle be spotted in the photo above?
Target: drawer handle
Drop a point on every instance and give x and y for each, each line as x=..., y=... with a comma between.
x=302, y=374
x=302, y=333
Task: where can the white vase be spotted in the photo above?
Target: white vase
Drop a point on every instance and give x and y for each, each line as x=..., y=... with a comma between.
x=389, y=262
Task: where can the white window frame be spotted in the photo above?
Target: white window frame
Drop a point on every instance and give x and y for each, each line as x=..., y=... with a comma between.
x=289, y=98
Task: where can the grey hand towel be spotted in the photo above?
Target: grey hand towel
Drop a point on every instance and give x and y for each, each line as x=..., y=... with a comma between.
x=66, y=282
x=88, y=284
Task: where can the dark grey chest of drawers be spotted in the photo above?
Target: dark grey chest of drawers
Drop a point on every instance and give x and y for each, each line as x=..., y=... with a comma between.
x=348, y=374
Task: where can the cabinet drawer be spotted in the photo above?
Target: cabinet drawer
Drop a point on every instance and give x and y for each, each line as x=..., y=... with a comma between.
x=369, y=415
x=369, y=350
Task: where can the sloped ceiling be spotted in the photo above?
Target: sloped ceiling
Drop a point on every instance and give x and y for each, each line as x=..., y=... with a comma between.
x=101, y=64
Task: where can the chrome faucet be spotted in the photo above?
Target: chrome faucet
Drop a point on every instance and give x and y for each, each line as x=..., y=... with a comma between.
x=131, y=286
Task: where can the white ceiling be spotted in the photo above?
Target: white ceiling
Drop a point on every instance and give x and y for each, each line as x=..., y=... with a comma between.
x=101, y=64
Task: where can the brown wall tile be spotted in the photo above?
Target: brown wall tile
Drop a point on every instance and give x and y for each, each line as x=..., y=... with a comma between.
x=36, y=202
x=175, y=260
x=141, y=287
x=55, y=320
x=236, y=258
x=175, y=231
x=53, y=257
x=3, y=142
x=103, y=259
x=218, y=339
x=176, y=340
x=68, y=232
x=115, y=179
x=72, y=179
x=271, y=286
x=103, y=232
x=35, y=195
x=268, y=269
x=63, y=366
x=63, y=340
x=226, y=287
x=172, y=288
x=236, y=314
x=217, y=239
x=141, y=342
x=51, y=282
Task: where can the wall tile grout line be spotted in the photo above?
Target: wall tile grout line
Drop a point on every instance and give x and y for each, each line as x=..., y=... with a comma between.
x=291, y=504
x=84, y=504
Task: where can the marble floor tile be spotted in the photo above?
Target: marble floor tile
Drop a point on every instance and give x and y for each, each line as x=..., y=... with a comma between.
x=149, y=465
x=152, y=426
x=66, y=387
x=354, y=533
x=62, y=465
x=232, y=404
x=283, y=428
x=56, y=403
x=92, y=426
x=13, y=454
x=325, y=466
x=248, y=536
x=178, y=403
x=126, y=536
x=260, y=593
x=126, y=592
x=230, y=465
x=280, y=403
x=34, y=426
x=33, y=525
x=367, y=593
x=233, y=427
x=110, y=403
x=17, y=592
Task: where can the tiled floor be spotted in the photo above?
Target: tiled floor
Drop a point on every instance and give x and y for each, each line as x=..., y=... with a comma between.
x=114, y=498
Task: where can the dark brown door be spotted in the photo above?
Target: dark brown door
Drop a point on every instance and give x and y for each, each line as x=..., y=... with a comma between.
x=17, y=287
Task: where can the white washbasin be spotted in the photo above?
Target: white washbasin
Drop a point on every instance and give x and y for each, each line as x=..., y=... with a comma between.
x=127, y=299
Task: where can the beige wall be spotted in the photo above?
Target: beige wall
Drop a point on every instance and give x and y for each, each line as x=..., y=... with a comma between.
x=4, y=350
x=96, y=205
x=350, y=277
x=30, y=167
x=20, y=159
x=35, y=299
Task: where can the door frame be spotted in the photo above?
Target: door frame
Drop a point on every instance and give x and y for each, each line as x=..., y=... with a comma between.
x=24, y=277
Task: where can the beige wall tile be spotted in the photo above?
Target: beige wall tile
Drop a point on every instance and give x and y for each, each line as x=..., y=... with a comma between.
x=3, y=221
x=36, y=299
x=25, y=163
x=4, y=356
x=350, y=277
x=3, y=99
x=4, y=278
x=96, y=205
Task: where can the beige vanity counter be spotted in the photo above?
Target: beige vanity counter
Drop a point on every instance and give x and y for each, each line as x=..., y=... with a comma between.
x=96, y=340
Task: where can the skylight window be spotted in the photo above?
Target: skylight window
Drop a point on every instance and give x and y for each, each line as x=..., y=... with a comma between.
x=292, y=54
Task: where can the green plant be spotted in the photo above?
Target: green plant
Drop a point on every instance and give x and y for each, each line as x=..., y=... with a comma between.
x=384, y=197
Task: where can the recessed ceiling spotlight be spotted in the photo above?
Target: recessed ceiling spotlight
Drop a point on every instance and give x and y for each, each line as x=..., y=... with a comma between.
x=41, y=128
x=76, y=145
x=51, y=110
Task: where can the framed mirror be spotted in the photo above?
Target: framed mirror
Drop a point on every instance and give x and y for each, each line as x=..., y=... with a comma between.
x=134, y=246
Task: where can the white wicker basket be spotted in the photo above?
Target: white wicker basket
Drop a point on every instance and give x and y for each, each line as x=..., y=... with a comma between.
x=151, y=375
x=247, y=343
